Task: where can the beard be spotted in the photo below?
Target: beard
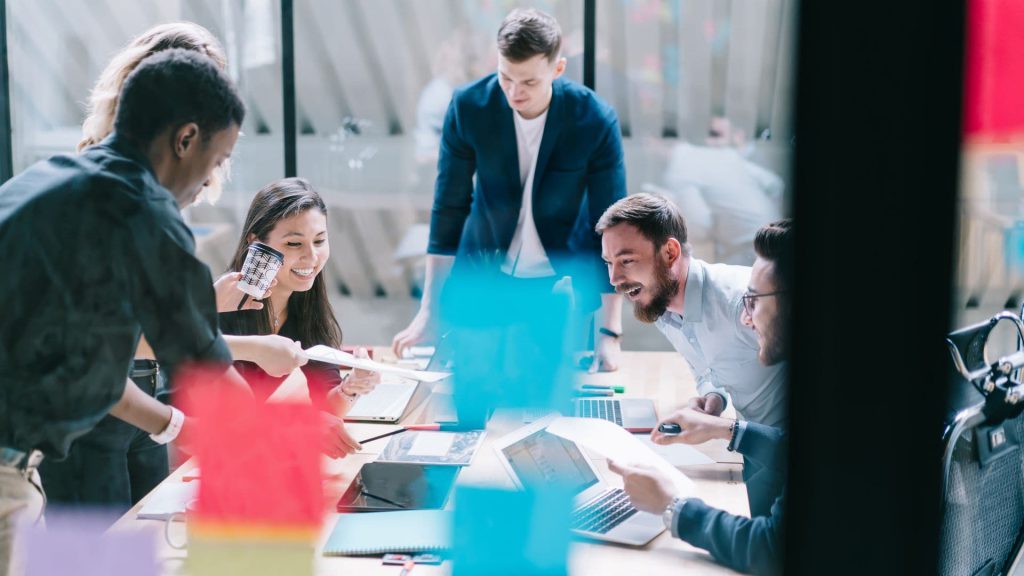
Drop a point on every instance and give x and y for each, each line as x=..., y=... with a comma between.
x=665, y=287
x=775, y=337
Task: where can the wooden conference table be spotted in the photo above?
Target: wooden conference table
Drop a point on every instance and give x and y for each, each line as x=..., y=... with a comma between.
x=662, y=376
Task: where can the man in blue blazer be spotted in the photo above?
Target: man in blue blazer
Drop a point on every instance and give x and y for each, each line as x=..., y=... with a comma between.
x=525, y=128
x=744, y=544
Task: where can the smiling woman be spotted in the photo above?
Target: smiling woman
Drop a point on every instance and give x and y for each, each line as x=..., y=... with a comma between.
x=290, y=216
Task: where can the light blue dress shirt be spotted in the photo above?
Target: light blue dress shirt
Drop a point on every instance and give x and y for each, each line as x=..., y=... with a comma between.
x=721, y=351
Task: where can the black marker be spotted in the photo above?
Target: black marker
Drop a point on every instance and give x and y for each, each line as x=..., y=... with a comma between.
x=669, y=428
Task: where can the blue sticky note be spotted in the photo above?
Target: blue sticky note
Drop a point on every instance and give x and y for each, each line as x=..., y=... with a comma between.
x=500, y=532
x=513, y=343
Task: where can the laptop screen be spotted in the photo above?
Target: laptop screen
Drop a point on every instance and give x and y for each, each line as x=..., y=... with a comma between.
x=543, y=457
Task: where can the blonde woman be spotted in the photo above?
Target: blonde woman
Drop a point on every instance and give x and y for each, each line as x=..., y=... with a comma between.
x=117, y=464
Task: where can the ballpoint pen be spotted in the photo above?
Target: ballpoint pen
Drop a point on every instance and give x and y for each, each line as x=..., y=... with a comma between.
x=411, y=427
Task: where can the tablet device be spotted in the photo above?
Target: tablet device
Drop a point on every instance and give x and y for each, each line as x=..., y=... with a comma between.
x=383, y=486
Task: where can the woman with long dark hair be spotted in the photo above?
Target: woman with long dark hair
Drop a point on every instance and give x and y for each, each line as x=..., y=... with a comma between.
x=290, y=216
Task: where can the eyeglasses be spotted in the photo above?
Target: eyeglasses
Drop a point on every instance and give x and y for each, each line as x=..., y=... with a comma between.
x=750, y=300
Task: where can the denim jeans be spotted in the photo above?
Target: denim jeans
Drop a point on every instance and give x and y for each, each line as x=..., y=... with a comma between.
x=114, y=465
x=21, y=500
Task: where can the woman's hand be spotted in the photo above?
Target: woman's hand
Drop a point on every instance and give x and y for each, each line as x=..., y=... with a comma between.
x=336, y=441
x=228, y=294
x=360, y=382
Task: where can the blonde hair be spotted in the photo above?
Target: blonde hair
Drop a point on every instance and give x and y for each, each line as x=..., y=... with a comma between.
x=102, y=108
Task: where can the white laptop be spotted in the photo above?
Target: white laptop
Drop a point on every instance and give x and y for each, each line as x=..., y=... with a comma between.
x=532, y=455
x=633, y=414
x=395, y=396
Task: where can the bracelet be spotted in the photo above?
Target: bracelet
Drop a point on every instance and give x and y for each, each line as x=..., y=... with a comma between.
x=608, y=332
x=350, y=398
x=731, y=447
x=173, y=427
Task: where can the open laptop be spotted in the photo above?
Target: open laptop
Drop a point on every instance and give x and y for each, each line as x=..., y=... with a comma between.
x=532, y=455
x=395, y=396
x=633, y=414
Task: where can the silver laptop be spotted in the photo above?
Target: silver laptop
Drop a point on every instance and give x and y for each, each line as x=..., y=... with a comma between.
x=532, y=456
x=633, y=414
x=395, y=396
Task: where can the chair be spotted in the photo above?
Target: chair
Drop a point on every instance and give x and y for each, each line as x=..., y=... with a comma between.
x=983, y=462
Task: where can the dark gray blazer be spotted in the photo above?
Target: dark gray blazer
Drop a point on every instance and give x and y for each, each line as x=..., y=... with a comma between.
x=746, y=544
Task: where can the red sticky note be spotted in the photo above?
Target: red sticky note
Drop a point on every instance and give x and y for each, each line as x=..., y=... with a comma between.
x=260, y=462
x=994, y=74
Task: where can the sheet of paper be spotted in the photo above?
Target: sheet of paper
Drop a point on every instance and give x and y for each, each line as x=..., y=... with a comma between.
x=676, y=454
x=334, y=356
x=431, y=444
x=169, y=498
x=615, y=443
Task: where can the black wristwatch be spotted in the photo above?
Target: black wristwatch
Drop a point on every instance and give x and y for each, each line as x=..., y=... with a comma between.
x=731, y=447
x=608, y=332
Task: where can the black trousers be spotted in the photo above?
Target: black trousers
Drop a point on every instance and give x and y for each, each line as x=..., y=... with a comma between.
x=112, y=466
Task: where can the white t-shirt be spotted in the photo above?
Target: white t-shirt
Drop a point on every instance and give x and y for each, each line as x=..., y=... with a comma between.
x=526, y=256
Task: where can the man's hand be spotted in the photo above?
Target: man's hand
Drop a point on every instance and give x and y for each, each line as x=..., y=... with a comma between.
x=698, y=428
x=228, y=294
x=647, y=488
x=607, y=352
x=420, y=329
x=710, y=403
x=277, y=355
x=336, y=442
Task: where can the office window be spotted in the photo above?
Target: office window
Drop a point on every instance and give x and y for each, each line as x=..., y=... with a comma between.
x=703, y=89
x=373, y=82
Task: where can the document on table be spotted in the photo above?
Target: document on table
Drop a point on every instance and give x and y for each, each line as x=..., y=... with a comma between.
x=615, y=443
x=330, y=355
x=676, y=454
x=169, y=498
x=431, y=444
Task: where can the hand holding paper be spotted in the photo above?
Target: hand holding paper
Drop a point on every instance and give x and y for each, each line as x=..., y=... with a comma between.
x=615, y=443
x=334, y=356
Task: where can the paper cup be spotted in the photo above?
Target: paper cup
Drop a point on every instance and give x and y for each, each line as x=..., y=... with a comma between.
x=261, y=265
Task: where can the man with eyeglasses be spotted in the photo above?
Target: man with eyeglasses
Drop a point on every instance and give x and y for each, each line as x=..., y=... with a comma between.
x=696, y=305
x=751, y=544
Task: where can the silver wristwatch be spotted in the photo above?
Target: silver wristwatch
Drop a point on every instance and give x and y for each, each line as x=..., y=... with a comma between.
x=669, y=515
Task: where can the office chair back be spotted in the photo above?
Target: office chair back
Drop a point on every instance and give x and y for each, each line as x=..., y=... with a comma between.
x=983, y=481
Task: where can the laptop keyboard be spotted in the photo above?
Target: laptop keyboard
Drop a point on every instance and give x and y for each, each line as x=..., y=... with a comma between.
x=605, y=513
x=609, y=410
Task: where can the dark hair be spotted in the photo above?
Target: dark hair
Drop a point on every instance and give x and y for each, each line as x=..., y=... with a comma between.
x=656, y=217
x=774, y=242
x=312, y=309
x=525, y=33
x=172, y=88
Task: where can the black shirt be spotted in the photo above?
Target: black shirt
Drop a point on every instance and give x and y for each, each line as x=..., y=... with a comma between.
x=93, y=250
x=320, y=376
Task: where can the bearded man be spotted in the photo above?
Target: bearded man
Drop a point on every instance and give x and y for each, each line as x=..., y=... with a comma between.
x=698, y=307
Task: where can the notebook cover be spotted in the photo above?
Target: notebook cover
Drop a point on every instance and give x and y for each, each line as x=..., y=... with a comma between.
x=384, y=532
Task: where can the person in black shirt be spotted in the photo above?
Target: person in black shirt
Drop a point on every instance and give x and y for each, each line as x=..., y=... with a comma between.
x=95, y=252
x=116, y=464
x=289, y=216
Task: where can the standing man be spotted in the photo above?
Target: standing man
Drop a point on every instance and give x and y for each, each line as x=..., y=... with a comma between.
x=547, y=158
x=746, y=544
x=95, y=252
x=698, y=307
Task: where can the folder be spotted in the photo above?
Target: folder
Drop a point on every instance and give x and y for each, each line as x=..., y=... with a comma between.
x=386, y=532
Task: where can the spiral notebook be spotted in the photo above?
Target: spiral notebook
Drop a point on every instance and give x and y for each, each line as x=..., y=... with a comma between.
x=385, y=532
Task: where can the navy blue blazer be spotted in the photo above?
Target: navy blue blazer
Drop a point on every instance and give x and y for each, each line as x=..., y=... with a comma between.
x=745, y=544
x=580, y=173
